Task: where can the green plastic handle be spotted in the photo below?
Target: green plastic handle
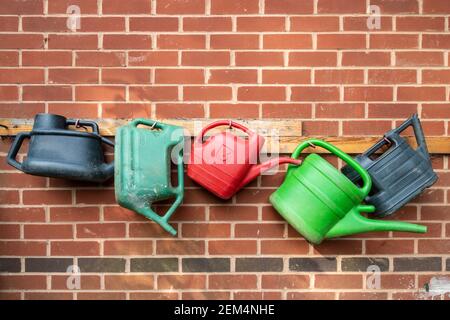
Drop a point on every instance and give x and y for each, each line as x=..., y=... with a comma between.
x=147, y=122
x=367, y=181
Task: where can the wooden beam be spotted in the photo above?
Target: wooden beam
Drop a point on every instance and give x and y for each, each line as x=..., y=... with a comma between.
x=282, y=136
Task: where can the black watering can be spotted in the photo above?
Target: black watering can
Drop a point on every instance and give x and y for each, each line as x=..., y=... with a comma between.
x=58, y=152
x=400, y=173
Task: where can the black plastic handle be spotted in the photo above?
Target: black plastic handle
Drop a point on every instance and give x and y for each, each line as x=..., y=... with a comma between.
x=414, y=121
x=83, y=123
x=15, y=147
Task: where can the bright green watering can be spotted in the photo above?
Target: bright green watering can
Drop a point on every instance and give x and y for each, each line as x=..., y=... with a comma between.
x=320, y=202
x=143, y=166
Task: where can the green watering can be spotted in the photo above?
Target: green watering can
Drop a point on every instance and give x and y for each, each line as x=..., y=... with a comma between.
x=143, y=165
x=320, y=202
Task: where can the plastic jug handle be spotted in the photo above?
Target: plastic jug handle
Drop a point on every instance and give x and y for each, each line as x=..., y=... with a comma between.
x=414, y=121
x=153, y=124
x=83, y=123
x=15, y=147
x=223, y=123
x=367, y=181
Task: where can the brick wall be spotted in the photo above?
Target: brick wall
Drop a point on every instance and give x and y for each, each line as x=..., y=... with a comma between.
x=312, y=60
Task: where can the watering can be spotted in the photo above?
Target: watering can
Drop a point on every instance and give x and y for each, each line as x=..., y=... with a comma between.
x=56, y=151
x=143, y=166
x=225, y=162
x=400, y=173
x=320, y=202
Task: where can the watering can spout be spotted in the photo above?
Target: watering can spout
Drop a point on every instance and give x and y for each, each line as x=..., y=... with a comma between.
x=256, y=170
x=354, y=223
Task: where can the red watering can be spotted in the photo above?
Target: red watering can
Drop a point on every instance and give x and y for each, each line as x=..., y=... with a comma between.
x=225, y=163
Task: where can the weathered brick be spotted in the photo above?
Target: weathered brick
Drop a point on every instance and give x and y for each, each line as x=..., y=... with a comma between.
x=10, y=265
x=418, y=264
x=259, y=264
x=47, y=264
x=101, y=265
x=313, y=264
x=361, y=264
x=206, y=265
x=154, y=265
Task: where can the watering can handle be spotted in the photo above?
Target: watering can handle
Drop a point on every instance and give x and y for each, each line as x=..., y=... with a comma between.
x=367, y=181
x=414, y=121
x=153, y=124
x=223, y=123
x=11, y=158
x=82, y=123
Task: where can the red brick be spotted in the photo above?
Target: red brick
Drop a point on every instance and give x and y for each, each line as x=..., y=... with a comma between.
x=287, y=41
x=289, y=6
x=23, y=282
x=128, y=7
x=44, y=24
x=435, y=76
x=23, y=248
x=310, y=295
x=226, y=76
x=362, y=59
x=47, y=93
x=209, y=295
x=130, y=76
x=436, y=6
x=234, y=7
x=206, y=93
x=179, y=76
x=129, y=282
x=421, y=93
x=100, y=59
x=21, y=41
x=226, y=110
x=75, y=248
x=339, y=76
x=435, y=111
x=103, y=295
x=417, y=58
x=174, y=110
x=394, y=41
x=155, y=58
x=74, y=110
x=314, y=24
x=22, y=76
x=128, y=247
x=368, y=94
x=234, y=247
x=283, y=281
x=60, y=6
x=320, y=128
x=72, y=214
x=127, y=41
x=153, y=24
x=177, y=41
x=24, y=7
x=434, y=246
x=232, y=281
x=19, y=110
x=207, y=24
x=261, y=93
x=48, y=231
x=233, y=213
x=420, y=23
x=31, y=214
x=396, y=6
x=234, y=41
x=339, y=281
x=260, y=24
x=181, y=282
x=156, y=93
x=9, y=231
x=286, y=76
x=86, y=282
x=10, y=59
x=284, y=247
x=73, y=42
x=360, y=24
x=366, y=127
x=205, y=58
x=338, y=247
x=73, y=76
x=341, y=41
x=389, y=246
x=180, y=7
x=392, y=76
x=153, y=295
x=391, y=110
x=259, y=59
x=344, y=110
x=9, y=196
x=148, y=229
x=315, y=94
x=46, y=58
x=206, y=230
x=262, y=230
x=9, y=93
x=47, y=197
x=101, y=230
x=341, y=6
x=180, y=247
x=100, y=196
x=9, y=23
x=100, y=93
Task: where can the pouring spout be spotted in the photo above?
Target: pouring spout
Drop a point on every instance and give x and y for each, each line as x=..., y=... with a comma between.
x=354, y=223
x=256, y=170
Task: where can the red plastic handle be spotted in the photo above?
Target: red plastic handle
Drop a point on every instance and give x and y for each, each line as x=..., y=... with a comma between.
x=223, y=123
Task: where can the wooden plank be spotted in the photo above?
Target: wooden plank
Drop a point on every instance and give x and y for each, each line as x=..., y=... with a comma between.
x=282, y=136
